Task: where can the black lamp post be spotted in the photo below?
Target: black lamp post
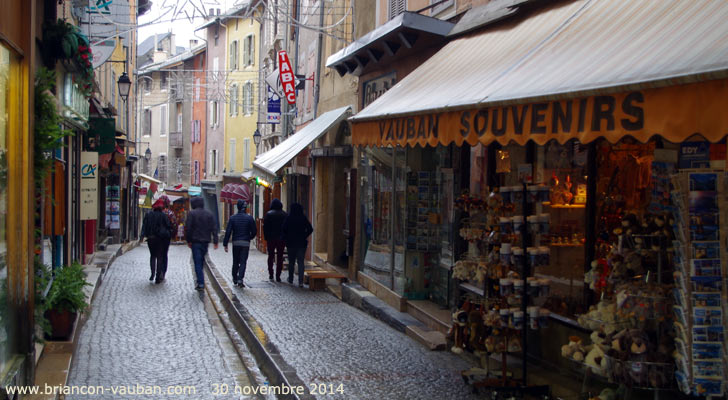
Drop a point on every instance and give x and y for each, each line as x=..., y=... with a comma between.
x=124, y=86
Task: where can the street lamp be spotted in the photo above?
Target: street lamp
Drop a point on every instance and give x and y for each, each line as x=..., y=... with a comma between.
x=148, y=155
x=256, y=138
x=124, y=86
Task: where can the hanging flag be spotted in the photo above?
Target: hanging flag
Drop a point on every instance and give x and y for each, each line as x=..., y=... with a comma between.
x=156, y=173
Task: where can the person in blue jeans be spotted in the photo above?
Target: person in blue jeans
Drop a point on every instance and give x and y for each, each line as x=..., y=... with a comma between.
x=295, y=231
x=200, y=229
x=241, y=227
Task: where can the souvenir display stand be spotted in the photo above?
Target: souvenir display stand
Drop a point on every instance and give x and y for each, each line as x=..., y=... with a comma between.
x=503, y=272
x=700, y=291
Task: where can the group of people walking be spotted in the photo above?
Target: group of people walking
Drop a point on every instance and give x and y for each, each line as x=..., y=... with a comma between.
x=281, y=231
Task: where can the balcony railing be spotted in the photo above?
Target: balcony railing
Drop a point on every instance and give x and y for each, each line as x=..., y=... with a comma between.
x=175, y=140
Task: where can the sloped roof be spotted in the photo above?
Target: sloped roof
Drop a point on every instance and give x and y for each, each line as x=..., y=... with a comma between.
x=148, y=44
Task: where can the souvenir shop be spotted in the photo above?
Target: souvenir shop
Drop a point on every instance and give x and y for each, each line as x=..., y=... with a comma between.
x=588, y=226
x=595, y=246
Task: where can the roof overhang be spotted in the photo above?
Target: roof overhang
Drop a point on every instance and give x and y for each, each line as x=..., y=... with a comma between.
x=403, y=35
x=269, y=163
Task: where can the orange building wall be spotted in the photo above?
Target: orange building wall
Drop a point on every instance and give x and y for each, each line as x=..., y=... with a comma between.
x=199, y=112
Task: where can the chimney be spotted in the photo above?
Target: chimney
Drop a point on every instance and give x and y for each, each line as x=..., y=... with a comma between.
x=172, y=45
x=193, y=43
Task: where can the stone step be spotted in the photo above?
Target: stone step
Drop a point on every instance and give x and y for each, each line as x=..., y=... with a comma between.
x=433, y=340
x=430, y=315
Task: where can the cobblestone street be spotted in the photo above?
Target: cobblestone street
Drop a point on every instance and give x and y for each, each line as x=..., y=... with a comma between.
x=329, y=342
x=162, y=335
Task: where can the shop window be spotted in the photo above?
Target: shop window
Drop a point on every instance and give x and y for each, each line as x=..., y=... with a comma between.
x=383, y=183
x=9, y=117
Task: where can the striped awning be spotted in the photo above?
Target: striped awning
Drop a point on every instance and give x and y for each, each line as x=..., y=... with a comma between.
x=582, y=69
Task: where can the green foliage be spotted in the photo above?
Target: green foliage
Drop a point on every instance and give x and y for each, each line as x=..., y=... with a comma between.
x=48, y=133
x=42, y=277
x=66, y=291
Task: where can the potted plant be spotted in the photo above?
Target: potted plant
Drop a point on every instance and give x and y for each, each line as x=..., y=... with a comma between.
x=65, y=300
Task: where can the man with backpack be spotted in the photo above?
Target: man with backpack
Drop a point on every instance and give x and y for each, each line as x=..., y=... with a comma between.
x=157, y=228
x=241, y=227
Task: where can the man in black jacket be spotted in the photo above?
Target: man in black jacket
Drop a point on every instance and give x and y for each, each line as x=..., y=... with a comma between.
x=241, y=227
x=200, y=227
x=272, y=223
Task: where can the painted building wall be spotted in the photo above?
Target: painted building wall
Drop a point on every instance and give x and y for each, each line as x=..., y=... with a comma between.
x=198, y=125
x=157, y=140
x=215, y=88
x=241, y=114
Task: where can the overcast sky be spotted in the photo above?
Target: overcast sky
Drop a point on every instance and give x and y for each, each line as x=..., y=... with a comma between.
x=178, y=11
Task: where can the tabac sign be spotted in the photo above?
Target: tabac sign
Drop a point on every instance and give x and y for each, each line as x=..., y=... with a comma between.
x=89, y=185
x=287, y=77
x=674, y=113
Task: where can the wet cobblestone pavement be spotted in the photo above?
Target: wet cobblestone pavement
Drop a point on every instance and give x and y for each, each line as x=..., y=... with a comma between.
x=331, y=343
x=139, y=333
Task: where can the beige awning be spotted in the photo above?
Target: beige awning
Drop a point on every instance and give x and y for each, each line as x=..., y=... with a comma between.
x=269, y=163
x=581, y=69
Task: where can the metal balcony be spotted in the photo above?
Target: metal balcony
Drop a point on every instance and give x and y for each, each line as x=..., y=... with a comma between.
x=175, y=140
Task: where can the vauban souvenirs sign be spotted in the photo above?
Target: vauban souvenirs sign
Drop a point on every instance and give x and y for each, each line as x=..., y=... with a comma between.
x=675, y=113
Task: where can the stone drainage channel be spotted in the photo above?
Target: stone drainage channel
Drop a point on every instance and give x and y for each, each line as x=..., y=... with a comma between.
x=261, y=358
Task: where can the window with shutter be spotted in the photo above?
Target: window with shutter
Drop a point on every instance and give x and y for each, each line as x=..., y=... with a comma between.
x=197, y=173
x=246, y=154
x=231, y=156
x=234, y=55
x=234, y=99
x=147, y=122
x=396, y=7
x=163, y=120
x=248, y=98
x=249, y=50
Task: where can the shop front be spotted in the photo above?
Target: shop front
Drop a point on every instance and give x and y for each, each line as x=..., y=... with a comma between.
x=17, y=221
x=286, y=172
x=588, y=195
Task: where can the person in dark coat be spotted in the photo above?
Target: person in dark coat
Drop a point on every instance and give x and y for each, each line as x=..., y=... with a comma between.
x=200, y=228
x=157, y=228
x=241, y=227
x=272, y=223
x=295, y=231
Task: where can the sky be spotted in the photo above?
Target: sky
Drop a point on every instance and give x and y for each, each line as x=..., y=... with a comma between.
x=175, y=15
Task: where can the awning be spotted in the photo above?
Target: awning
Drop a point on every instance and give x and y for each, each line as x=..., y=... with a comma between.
x=149, y=178
x=248, y=176
x=194, y=191
x=583, y=69
x=269, y=163
x=225, y=192
x=379, y=45
x=232, y=192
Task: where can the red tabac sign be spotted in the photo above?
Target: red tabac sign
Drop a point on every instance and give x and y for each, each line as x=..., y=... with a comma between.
x=287, y=78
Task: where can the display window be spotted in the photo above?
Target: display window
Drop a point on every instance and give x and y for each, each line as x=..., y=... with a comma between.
x=9, y=117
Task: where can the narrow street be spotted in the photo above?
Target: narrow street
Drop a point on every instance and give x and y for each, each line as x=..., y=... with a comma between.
x=144, y=337
x=165, y=336
x=329, y=342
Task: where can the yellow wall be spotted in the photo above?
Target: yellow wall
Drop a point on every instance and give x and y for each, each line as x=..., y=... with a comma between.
x=241, y=126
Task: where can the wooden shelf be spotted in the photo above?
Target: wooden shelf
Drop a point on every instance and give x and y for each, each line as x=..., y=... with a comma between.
x=574, y=206
x=566, y=245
